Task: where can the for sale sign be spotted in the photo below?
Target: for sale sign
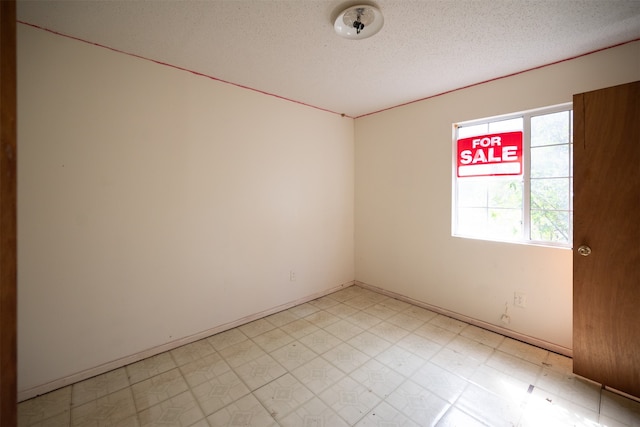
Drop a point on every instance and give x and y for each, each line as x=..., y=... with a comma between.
x=490, y=155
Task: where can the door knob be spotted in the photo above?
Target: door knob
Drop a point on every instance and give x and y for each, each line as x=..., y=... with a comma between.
x=584, y=250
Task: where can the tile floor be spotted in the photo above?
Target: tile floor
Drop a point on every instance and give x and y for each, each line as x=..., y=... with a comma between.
x=352, y=358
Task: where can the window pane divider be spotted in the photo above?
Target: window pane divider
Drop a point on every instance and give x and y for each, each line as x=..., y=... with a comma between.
x=526, y=177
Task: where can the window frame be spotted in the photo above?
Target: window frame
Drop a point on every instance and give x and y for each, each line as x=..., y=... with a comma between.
x=526, y=115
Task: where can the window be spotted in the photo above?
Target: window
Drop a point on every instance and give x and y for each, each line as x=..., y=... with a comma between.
x=513, y=178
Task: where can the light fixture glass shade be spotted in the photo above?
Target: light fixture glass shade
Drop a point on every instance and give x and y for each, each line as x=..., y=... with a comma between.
x=358, y=22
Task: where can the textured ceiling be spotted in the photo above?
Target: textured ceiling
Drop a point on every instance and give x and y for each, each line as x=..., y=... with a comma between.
x=288, y=47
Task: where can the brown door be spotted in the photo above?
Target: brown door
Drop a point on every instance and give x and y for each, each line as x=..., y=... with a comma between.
x=8, y=265
x=606, y=242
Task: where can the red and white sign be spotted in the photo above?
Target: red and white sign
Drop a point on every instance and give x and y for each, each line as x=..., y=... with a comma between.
x=490, y=155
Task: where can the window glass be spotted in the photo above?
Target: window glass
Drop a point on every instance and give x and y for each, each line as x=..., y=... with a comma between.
x=468, y=131
x=545, y=227
x=534, y=206
x=550, y=193
x=550, y=161
x=508, y=125
x=550, y=129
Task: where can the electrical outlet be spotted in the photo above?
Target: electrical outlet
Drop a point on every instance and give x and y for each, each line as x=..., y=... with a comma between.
x=519, y=299
x=292, y=275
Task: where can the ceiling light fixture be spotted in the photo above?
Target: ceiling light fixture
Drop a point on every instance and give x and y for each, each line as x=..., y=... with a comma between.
x=358, y=22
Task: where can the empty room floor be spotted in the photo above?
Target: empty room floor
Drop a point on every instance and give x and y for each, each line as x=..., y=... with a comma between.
x=352, y=358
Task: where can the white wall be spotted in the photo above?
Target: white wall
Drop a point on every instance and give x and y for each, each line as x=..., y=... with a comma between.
x=155, y=204
x=403, y=202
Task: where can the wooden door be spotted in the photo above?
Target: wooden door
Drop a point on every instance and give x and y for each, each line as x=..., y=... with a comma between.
x=8, y=261
x=606, y=281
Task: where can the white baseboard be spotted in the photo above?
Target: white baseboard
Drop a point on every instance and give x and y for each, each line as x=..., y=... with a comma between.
x=118, y=363
x=123, y=361
x=479, y=323
x=621, y=393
